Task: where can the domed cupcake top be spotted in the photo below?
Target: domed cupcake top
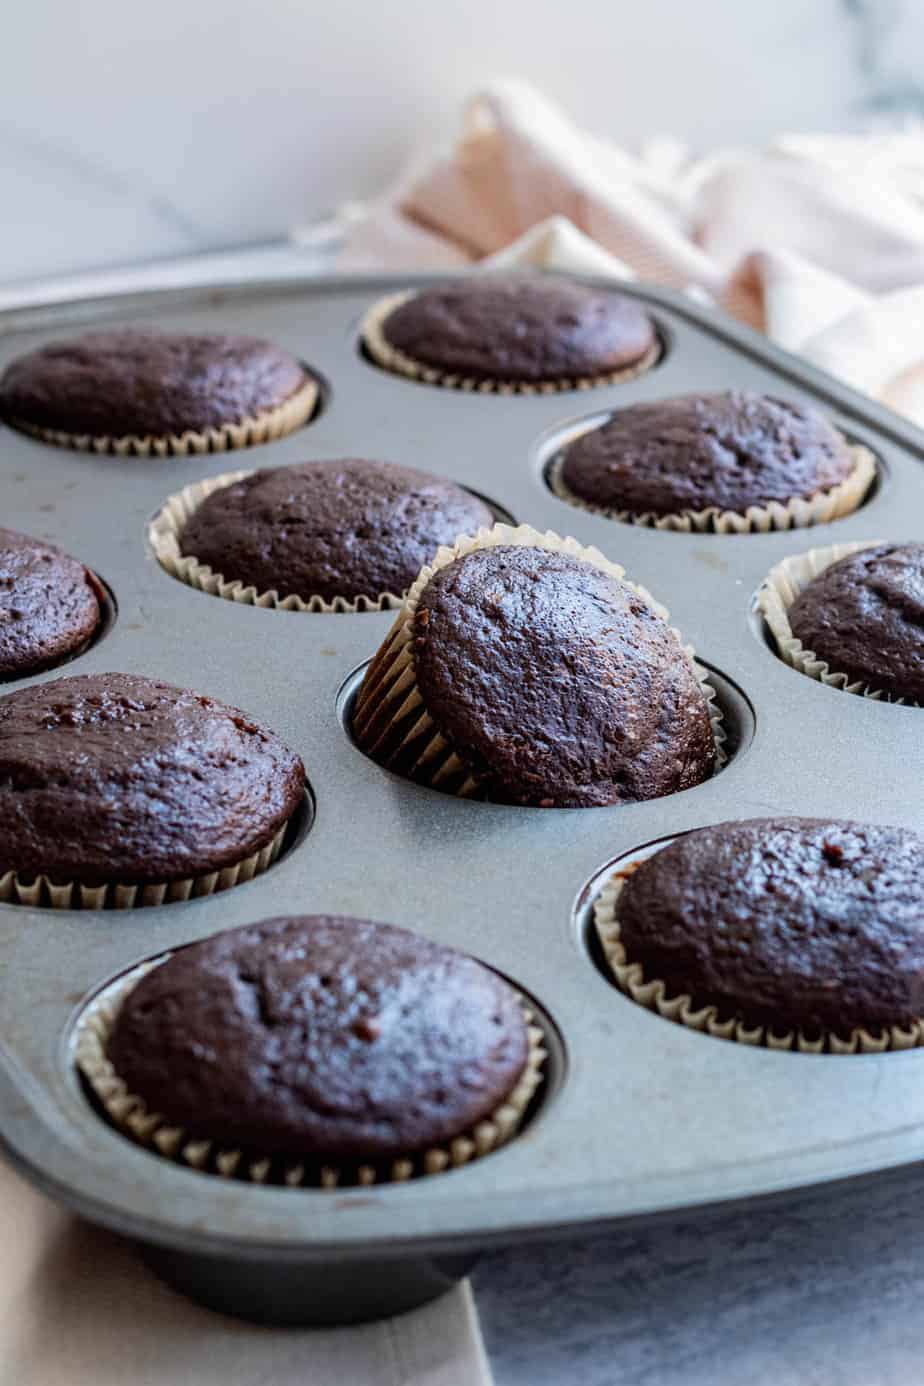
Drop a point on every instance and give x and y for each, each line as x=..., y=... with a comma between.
x=124, y=382
x=346, y=528
x=864, y=616
x=558, y=683
x=115, y=777
x=792, y=923
x=729, y=451
x=49, y=605
x=520, y=328
x=321, y=1036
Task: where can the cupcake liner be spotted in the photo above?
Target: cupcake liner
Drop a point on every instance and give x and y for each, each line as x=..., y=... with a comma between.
x=389, y=357
x=390, y=720
x=653, y=994
x=129, y=1114
x=71, y=895
x=775, y=596
x=264, y=427
x=798, y=513
x=165, y=532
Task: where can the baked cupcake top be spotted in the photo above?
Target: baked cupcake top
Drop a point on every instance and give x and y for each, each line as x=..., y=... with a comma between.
x=523, y=328
x=864, y=616
x=49, y=605
x=348, y=528
x=321, y=1036
x=793, y=923
x=557, y=683
x=123, y=382
x=692, y=452
x=118, y=778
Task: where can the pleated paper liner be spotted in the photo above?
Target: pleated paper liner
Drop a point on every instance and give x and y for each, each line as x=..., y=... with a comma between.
x=264, y=427
x=391, y=722
x=130, y=1116
x=798, y=513
x=391, y=359
x=165, y=533
x=71, y=895
x=653, y=994
x=775, y=596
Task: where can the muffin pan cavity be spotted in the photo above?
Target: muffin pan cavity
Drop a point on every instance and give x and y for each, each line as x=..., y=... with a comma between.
x=487, y=878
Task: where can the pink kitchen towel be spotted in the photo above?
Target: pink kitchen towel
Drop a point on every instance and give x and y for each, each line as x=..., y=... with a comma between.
x=816, y=240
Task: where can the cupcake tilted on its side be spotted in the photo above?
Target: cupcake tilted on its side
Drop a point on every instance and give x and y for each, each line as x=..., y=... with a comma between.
x=524, y=668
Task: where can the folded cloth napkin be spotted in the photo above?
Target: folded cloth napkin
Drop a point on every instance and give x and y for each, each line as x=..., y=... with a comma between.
x=78, y=1308
x=817, y=240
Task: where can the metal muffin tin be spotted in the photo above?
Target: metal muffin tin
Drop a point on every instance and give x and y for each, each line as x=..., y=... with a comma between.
x=639, y=1116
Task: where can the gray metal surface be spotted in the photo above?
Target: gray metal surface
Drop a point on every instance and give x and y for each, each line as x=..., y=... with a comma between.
x=647, y=1116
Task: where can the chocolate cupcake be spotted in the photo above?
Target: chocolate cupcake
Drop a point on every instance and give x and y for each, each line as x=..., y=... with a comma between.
x=512, y=333
x=864, y=616
x=318, y=536
x=142, y=392
x=523, y=668
x=117, y=789
x=314, y=1050
x=49, y=605
x=800, y=933
x=729, y=462
x=863, y=604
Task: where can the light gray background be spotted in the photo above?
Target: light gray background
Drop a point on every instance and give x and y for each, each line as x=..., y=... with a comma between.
x=130, y=130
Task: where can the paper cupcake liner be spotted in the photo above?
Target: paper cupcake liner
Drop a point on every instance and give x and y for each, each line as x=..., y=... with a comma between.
x=260, y=428
x=798, y=513
x=653, y=994
x=775, y=596
x=391, y=359
x=71, y=895
x=129, y=1114
x=391, y=722
x=164, y=535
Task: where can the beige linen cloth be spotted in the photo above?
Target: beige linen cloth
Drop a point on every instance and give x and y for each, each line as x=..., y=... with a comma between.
x=78, y=1308
x=816, y=240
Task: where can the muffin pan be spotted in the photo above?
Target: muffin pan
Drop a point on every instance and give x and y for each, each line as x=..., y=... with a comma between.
x=637, y=1116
